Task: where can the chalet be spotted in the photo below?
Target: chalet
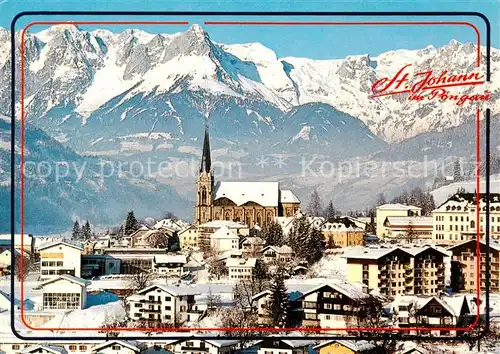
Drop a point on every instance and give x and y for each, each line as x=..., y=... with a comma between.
x=119, y=347
x=196, y=345
x=63, y=293
x=337, y=346
x=164, y=304
x=433, y=312
x=271, y=345
x=170, y=265
x=239, y=268
x=277, y=254
x=44, y=349
x=252, y=245
x=333, y=305
x=60, y=257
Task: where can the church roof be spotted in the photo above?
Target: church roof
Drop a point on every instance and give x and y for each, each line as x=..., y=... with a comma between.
x=262, y=193
x=287, y=196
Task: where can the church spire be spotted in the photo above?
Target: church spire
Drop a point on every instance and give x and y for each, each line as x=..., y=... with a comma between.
x=206, y=162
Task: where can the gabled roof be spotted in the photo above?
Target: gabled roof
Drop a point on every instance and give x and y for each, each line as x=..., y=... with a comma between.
x=493, y=244
x=50, y=348
x=293, y=343
x=355, y=346
x=409, y=220
x=240, y=262
x=173, y=290
x=254, y=240
x=262, y=193
x=377, y=253
x=261, y=294
x=68, y=277
x=354, y=291
x=127, y=344
x=279, y=250
x=287, y=196
x=223, y=233
x=68, y=243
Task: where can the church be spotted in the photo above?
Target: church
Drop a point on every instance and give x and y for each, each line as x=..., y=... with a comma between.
x=252, y=203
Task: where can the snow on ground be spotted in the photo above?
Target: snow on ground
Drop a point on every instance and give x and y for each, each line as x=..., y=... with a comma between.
x=93, y=317
x=441, y=194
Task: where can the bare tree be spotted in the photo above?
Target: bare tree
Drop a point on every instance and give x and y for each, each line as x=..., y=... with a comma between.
x=213, y=301
x=28, y=266
x=245, y=290
x=158, y=239
x=315, y=207
x=239, y=318
x=217, y=268
x=140, y=281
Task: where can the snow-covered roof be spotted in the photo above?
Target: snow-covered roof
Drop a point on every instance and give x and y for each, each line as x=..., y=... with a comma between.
x=492, y=244
x=50, y=348
x=132, y=345
x=220, y=223
x=287, y=196
x=68, y=243
x=280, y=250
x=453, y=304
x=377, y=253
x=261, y=294
x=262, y=193
x=397, y=206
x=461, y=201
x=355, y=346
x=254, y=240
x=68, y=277
x=224, y=233
x=293, y=343
x=409, y=220
x=337, y=226
x=240, y=262
x=352, y=290
x=177, y=225
x=173, y=290
x=170, y=258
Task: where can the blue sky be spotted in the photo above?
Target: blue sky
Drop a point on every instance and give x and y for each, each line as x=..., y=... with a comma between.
x=319, y=42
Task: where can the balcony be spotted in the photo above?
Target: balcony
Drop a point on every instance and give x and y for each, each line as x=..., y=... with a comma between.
x=194, y=349
x=150, y=310
x=148, y=301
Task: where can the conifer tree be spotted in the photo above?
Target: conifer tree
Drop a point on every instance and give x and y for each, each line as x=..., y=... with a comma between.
x=86, y=231
x=278, y=304
x=272, y=233
x=77, y=232
x=457, y=171
x=315, y=207
x=130, y=223
x=330, y=212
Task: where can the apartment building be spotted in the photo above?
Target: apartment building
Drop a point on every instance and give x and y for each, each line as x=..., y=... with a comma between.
x=386, y=210
x=340, y=235
x=164, y=304
x=456, y=220
x=449, y=312
x=464, y=266
x=60, y=257
x=240, y=268
x=333, y=306
x=399, y=270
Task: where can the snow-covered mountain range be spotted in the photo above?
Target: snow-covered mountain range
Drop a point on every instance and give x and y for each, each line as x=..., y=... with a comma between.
x=133, y=95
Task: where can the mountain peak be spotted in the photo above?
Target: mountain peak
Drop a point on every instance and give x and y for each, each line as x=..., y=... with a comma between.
x=197, y=30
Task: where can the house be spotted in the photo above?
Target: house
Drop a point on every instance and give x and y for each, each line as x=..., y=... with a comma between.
x=398, y=270
x=224, y=240
x=271, y=254
x=119, y=347
x=44, y=349
x=430, y=312
x=456, y=220
x=333, y=306
x=240, y=269
x=206, y=230
x=252, y=245
x=5, y=256
x=155, y=238
x=464, y=261
x=337, y=346
x=196, y=345
x=339, y=235
x=95, y=265
x=189, y=237
x=260, y=304
x=164, y=304
x=60, y=257
x=400, y=227
x=170, y=265
x=386, y=210
x=271, y=345
x=66, y=292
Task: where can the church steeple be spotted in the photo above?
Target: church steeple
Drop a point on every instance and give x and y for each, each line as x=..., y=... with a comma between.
x=206, y=162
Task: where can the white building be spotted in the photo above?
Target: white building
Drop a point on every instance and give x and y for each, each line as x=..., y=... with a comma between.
x=239, y=269
x=119, y=347
x=224, y=240
x=209, y=346
x=44, y=349
x=252, y=245
x=386, y=210
x=277, y=254
x=64, y=292
x=26, y=242
x=456, y=220
x=60, y=257
x=164, y=304
x=170, y=265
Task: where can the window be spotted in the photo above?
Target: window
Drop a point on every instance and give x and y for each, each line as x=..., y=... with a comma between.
x=116, y=347
x=82, y=348
x=15, y=346
x=72, y=348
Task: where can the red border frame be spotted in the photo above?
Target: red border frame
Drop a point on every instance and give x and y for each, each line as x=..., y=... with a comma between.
x=259, y=23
